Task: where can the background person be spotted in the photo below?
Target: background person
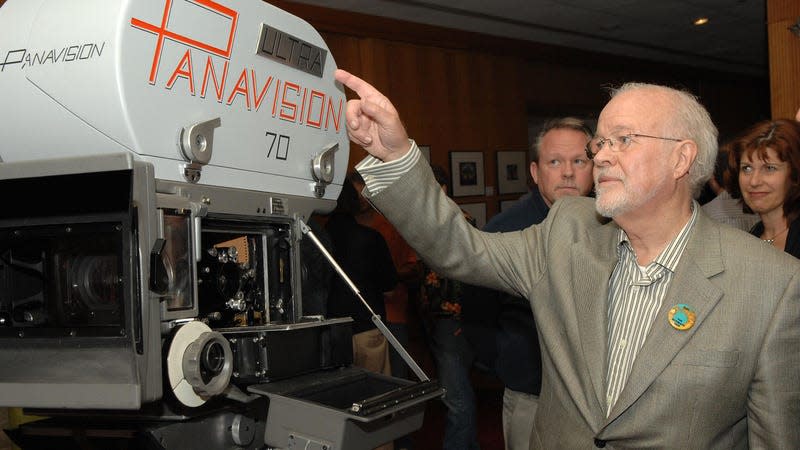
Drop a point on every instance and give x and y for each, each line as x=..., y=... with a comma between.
x=396, y=301
x=363, y=255
x=764, y=170
x=723, y=207
x=441, y=312
x=408, y=270
x=501, y=326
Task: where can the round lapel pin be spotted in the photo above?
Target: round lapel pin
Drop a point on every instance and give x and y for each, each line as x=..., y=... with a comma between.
x=681, y=317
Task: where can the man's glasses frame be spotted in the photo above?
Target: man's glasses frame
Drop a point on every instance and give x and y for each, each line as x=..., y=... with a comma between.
x=619, y=143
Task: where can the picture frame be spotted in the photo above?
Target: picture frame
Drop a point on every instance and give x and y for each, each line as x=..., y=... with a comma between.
x=477, y=211
x=466, y=173
x=426, y=151
x=512, y=172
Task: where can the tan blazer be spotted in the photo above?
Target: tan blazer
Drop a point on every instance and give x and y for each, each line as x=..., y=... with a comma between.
x=731, y=381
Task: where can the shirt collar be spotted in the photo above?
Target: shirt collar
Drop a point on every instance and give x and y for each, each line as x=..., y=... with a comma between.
x=671, y=255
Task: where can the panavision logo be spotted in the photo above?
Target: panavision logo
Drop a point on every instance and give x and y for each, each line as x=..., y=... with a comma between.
x=206, y=69
x=24, y=58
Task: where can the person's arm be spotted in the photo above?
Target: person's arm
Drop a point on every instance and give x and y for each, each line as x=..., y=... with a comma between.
x=773, y=403
x=401, y=185
x=435, y=227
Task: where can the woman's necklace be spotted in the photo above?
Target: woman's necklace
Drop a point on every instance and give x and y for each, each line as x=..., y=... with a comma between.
x=772, y=239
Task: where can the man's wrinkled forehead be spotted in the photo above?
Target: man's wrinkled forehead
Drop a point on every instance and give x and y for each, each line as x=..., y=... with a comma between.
x=561, y=139
x=632, y=111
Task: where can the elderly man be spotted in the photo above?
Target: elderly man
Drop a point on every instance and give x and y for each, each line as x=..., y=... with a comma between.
x=660, y=328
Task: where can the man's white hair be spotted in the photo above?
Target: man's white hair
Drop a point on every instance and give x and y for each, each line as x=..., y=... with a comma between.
x=687, y=119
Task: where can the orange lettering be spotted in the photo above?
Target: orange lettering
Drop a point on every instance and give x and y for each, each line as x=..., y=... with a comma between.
x=257, y=99
x=183, y=70
x=219, y=88
x=286, y=104
x=242, y=88
x=335, y=115
x=315, y=122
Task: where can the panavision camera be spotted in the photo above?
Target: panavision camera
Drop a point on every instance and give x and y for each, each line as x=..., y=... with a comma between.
x=158, y=159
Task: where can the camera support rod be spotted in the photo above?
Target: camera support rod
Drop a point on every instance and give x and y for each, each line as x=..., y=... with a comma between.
x=376, y=319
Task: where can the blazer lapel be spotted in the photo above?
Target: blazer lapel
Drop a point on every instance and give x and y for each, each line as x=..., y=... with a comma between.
x=592, y=266
x=701, y=259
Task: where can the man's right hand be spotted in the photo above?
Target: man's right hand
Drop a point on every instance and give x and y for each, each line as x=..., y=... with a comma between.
x=372, y=120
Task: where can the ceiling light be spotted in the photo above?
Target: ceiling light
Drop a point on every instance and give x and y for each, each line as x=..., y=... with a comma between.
x=700, y=21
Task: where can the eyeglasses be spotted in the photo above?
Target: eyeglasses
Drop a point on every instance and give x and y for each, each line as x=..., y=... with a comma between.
x=618, y=143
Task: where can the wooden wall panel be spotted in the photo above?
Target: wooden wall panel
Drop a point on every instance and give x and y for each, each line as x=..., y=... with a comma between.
x=449, y=99
x=784, y=57
x=565, y=90
x=464, y=91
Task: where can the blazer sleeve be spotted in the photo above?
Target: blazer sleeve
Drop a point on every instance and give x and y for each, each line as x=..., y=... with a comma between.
x=435, y=227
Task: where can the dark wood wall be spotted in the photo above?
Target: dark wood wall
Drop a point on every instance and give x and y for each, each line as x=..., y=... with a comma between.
x=464, y=91
x=784, y=57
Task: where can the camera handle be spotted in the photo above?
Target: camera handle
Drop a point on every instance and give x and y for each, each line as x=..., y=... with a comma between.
x=376, y=319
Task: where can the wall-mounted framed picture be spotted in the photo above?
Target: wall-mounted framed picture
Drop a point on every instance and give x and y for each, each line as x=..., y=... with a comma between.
x=477, y=211
x=426, y=151
x=466, y=173
x=511, y=172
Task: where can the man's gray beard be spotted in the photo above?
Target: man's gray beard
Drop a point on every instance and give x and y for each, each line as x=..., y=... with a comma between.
x=625, y=203
x=619, y=206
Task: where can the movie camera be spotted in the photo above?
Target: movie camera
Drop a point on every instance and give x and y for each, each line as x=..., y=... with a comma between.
x=159, y=161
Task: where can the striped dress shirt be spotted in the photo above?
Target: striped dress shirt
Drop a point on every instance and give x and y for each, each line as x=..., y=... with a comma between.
x=379, y=175
x=635, y=296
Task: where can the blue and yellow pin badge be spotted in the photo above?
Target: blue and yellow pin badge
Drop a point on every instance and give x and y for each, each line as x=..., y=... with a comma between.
x=681, y=317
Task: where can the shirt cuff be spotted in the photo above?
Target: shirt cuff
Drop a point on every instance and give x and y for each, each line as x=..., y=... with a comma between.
x=379, y=175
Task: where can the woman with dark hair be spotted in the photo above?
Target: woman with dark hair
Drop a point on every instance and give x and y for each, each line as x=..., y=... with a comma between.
x=764, y=171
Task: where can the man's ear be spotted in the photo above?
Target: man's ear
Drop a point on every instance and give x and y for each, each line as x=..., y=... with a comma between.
x=687, y=153
x=534, y=168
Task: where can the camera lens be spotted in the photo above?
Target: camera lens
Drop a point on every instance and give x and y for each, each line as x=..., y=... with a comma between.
x=212, y=360
x=95, y=280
